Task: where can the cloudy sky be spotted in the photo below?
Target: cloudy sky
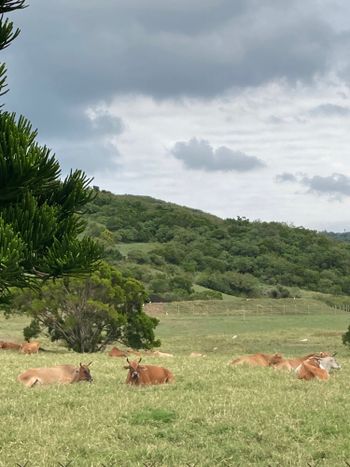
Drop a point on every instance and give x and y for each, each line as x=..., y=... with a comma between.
x=234, y=107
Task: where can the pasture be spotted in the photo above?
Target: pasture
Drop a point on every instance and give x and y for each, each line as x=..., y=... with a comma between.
x=213, y=415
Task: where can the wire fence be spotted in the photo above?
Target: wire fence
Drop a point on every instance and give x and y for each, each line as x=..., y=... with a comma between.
x=244, y=307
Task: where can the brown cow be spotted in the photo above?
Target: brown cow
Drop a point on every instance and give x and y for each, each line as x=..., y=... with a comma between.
x=61, y=374
x=115, y=352
x=197, y=354
x=30, y=347
x=9, y=345
x=157, y=353
x=316, y=368
x=259, y=359
x=134, y=352
x=290, y=364
x=140, y=375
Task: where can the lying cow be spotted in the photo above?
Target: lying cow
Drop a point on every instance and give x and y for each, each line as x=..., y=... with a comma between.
x=60, y=374
x=140, y=375
x=134, y=352
x=290, y=364
x=9, y=345
x=157, y=353
x=316, y=367
x=196, y=354
x=30, y=347
x=259, y=359
x=115, y=352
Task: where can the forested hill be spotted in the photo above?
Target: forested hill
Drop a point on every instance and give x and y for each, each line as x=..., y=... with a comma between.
x=182, y=253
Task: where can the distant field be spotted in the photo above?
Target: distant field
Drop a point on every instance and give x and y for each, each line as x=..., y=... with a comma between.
x=214, y=415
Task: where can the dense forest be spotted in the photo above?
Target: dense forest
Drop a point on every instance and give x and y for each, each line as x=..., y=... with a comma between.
x=182, y=254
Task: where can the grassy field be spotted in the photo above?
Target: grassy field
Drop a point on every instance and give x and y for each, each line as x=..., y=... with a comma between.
x=213, y=415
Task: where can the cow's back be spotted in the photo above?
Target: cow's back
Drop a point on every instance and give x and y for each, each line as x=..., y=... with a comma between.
x=10, y=346
x=62, y=374
x=115, y=352
x=252, y=360
x=30, y=347
x=309, y=369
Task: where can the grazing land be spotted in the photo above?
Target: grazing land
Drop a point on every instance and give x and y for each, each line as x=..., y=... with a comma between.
x=213, y=415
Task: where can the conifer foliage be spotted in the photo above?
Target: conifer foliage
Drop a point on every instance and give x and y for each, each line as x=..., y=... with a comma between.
x=40, y=223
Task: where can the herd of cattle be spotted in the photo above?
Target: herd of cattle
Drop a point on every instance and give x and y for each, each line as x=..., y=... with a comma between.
x=26, y=347
x=311, y=366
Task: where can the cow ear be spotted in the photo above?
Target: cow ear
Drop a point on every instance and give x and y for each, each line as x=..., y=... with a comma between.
x=334, y=354
x=143, y=368
x=126, y=367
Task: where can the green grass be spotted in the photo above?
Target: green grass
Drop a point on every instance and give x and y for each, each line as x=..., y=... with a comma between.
x=213, y=415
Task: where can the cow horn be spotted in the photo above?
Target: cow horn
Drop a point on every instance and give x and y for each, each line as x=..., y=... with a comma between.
x=127, y=359
x=334, y=354
x=140, y=359
x=89, y=364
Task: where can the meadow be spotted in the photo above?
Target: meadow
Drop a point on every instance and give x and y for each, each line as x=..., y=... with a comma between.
x=213, y=415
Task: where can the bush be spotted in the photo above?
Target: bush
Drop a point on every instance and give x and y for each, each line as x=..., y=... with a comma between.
x=90, y=313
x=346, y=337
x=278, y=292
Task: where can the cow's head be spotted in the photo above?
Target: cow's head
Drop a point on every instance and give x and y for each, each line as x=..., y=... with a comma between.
x=324, y=354
x=84, y=373
x=328, y=363
x=276, y=358
x=134, y=368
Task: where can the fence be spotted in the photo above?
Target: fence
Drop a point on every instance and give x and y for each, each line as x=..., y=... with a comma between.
x=244, y=307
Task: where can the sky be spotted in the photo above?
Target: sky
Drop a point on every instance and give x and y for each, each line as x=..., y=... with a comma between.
x=234, y=107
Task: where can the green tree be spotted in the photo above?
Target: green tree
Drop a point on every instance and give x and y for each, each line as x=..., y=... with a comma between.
x=40, y=223
x=346, y=337
x=89, y=313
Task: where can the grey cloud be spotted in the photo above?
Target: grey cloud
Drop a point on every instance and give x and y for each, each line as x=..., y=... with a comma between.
x=329, y=110
x=199, y=155
x=106, y=124
x=89, y=156
x=74, y=55
x=86, y=51
x=85, y=140
x=335, y=185
x=285, y=177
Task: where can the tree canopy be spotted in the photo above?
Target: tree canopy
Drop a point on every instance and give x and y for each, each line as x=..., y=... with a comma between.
x=40, y=214
x=91, y=312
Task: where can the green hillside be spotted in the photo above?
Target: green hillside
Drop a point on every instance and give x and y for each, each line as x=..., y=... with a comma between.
x=186, y=254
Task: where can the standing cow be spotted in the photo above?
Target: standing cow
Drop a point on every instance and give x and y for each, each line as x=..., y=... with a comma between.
x=140, y=375
x=62, y=374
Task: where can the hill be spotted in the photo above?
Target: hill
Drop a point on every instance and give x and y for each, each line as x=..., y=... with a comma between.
x=182, y=253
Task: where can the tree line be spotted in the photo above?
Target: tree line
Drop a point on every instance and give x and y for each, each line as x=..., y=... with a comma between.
x=177, y=248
